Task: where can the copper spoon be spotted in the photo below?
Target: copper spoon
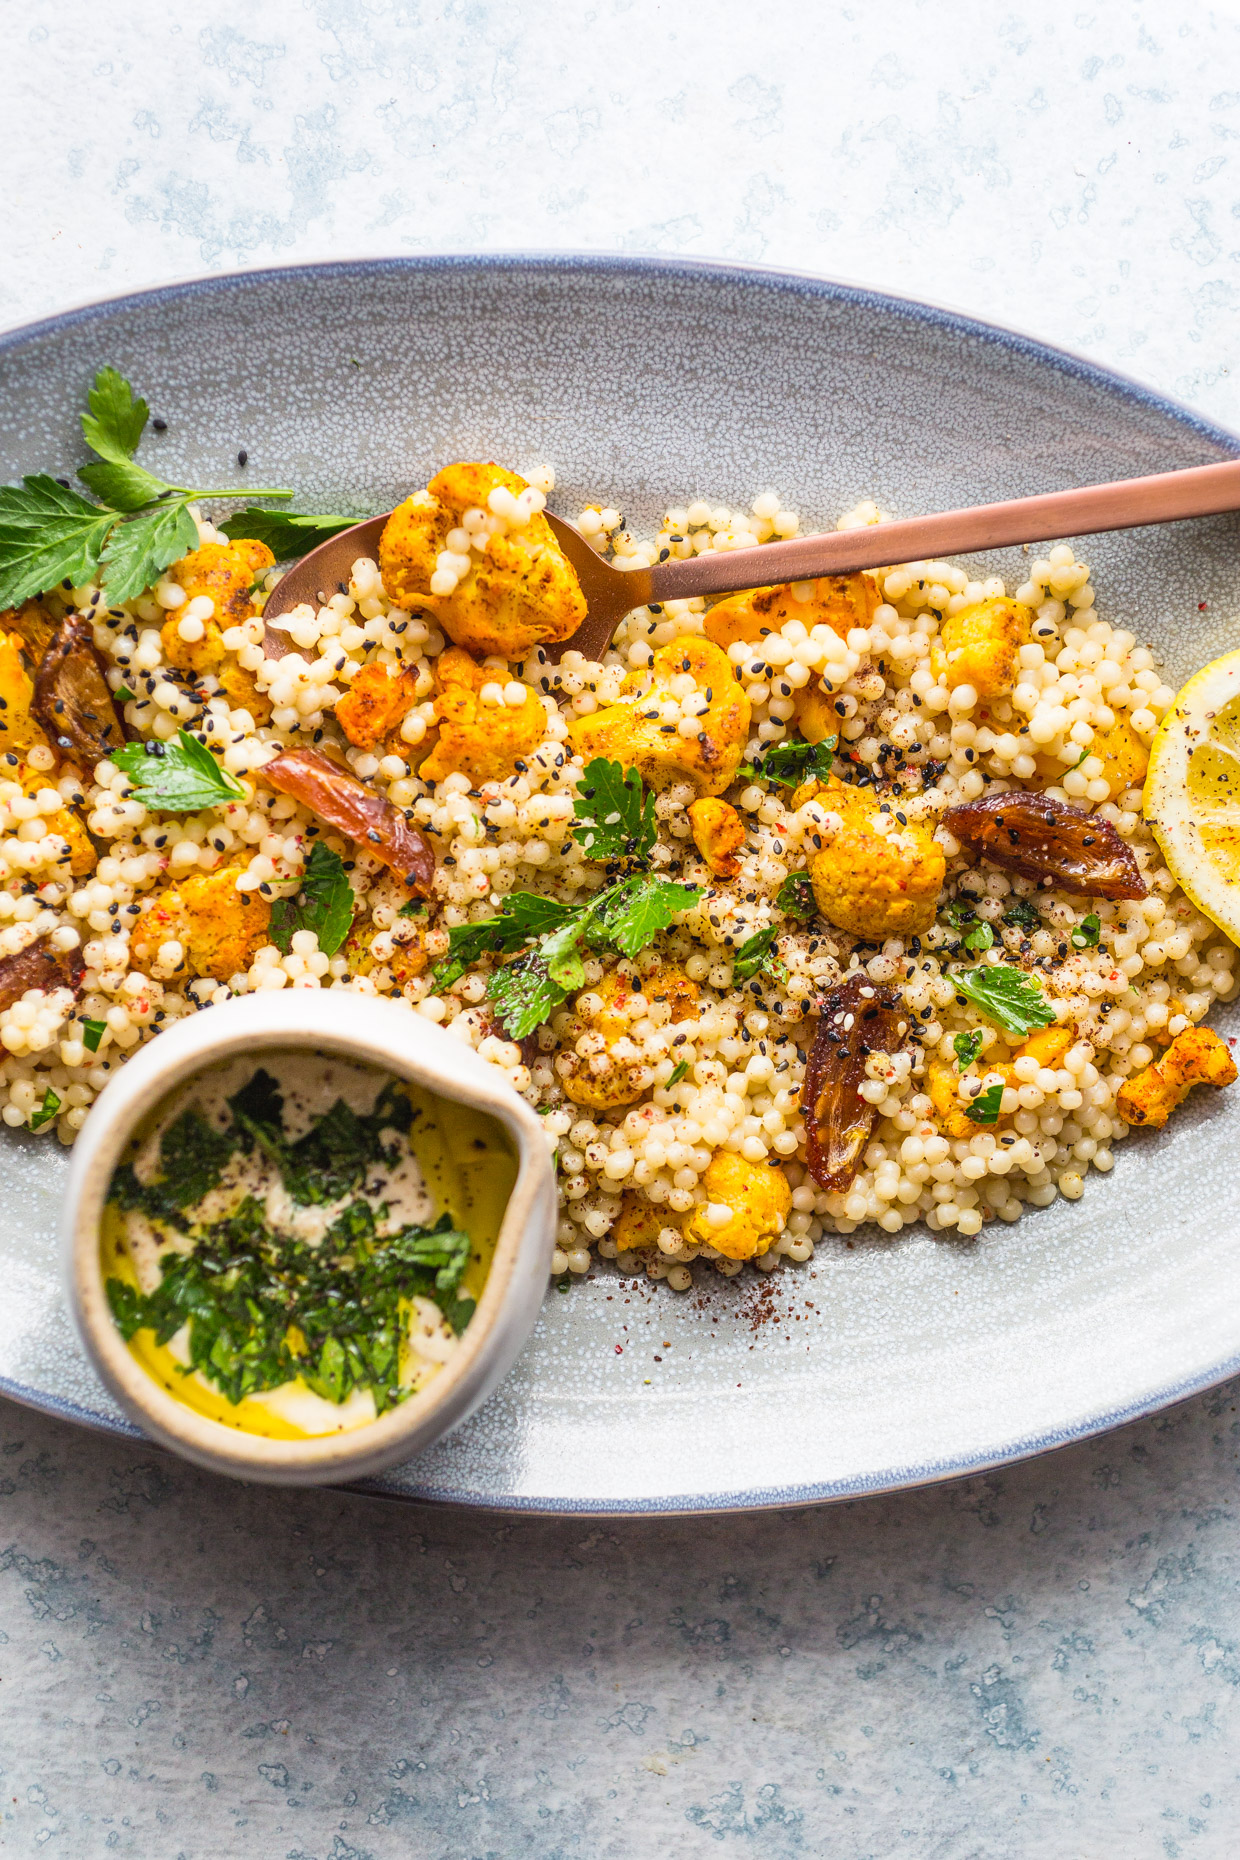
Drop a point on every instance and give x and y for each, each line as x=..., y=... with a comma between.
x=1167, y=497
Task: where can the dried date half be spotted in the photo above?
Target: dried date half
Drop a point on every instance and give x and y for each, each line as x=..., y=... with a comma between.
x=71, y=696
x=856, y=1019
x=347, y=803
x=1041, y=838
x=39, y=966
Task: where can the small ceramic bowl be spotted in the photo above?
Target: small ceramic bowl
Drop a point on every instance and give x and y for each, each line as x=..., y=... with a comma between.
x=370, y=1031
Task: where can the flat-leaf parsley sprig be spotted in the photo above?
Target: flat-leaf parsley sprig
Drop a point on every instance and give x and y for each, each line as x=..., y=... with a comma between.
x=141, y=524
x=550, y=939
x=1005, y=995
x=180, y=777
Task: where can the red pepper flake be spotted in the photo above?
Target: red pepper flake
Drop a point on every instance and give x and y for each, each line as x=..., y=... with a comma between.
x=619, y=1349
x=1201, y=606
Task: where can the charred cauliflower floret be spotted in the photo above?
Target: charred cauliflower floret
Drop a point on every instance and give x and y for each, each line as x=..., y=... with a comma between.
x=718, y=834
x=876, y=878
x=980, y=645
x=225, y=573
x=19, y=728
x=519, y=592
x=601, y=1063
x=481, y=734
x=684, y=719
x=376, y=704
x=837, y=601
x=218, y=927
x=1194, y=1057
x=756, y=1199
x=34, y=626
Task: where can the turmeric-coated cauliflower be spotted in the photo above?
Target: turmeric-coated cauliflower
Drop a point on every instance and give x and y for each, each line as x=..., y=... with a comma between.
x=1047, y=1046
x=218, y=927
x=79, y=857
x=980, y=645
x=718, y=834
x=516, y=591
x=19, y=727
x=481, y=734
x=685, y=718
x=225, y=573
x=1123, y=755
x=838, y=601
x=1194, y=1057
x=376, y=704
x=601, y=1063
x=876, y=878
x=756, y=1198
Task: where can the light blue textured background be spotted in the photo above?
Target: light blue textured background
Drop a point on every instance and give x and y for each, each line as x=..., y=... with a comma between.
x=1041, y=1663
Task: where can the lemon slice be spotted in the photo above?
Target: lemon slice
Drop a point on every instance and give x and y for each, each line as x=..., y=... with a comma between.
x=1192, y=791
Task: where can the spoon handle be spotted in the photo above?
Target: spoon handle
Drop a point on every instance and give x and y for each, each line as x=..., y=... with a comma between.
x=1167, y=497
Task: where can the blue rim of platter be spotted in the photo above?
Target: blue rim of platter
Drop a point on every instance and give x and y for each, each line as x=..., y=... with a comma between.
x=802, y=284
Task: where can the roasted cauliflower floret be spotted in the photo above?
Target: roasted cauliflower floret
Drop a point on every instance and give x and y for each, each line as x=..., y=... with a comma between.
x=1123, y=755
x=80, y=858
x=19, y=727
x=684, y=719
x=1194, y=1057
x=639, y=1223
x=876, y=878
x=718, y=834
x=225, y=573
x=376, y=704
x=407, y=960
x=218, y=927
x=756, y=1199
x=601, y=1063
x=979, y=646
x=519, y=593
x=481, y=734
x=1047, y=1047
x=837, y=601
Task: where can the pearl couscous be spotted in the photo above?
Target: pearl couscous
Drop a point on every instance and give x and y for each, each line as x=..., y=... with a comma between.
x=671, y=1080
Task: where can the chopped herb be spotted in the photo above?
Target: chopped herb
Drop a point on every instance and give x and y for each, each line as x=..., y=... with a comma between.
x=981, y=936
x=985, y=1107
x=791, y=763
x=1088, y=933
x=124, y=695
x=177, y=778
x=46, y=1111
x=1005, y=995
x=92, y=1032
x=524, y=995
x=796, y=896
x=324, y=904
x=755, y=954
x=192, y=1158
x=617, y=818
x=287, y=533
x=1022, y=915
x=416, y=907
x=629, y=916
x=677, y=1074
x=968, y=1046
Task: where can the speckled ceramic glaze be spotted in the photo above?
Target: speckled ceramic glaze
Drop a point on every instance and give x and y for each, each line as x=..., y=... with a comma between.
x=884, y=1362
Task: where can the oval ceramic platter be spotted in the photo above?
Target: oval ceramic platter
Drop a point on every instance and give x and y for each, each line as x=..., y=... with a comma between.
x=883, y=1362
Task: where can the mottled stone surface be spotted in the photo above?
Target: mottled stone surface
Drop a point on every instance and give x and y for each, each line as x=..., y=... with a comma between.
x=1040, y=1663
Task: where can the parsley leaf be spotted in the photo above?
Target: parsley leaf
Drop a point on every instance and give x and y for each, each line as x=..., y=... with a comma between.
x=92, y=1032
x=796, y=896
x=287, y=533
x=416, y=907
x=325, y=904
x=791, y=763
x=985, y=1107
x=630, y=915
x=618, y=820
x=524, y=916
x=1022, y=915
x=1005, y=995
x=678, y=1072
x=183, y=779
x=122, y=484
x=754, y=954
x=46, y=1111
x=524, y=995
x=1088, y=933
x=968, y=1046
x=47, y=535
x=138, y=551
x=116, y=420
x=981, y=936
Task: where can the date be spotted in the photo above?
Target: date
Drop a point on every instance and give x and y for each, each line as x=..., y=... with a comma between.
x=1044, y=839
x=856, y=1019
x=343, y=801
